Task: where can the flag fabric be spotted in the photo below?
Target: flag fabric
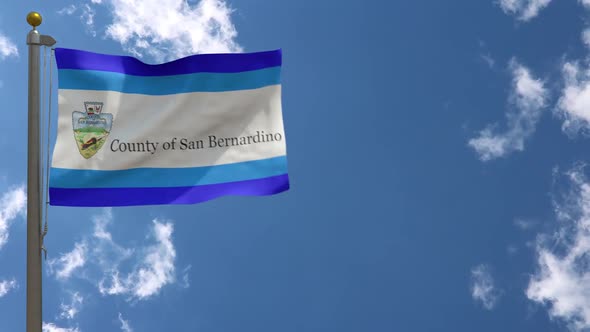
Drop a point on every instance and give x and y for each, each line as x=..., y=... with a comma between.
x=181, y=132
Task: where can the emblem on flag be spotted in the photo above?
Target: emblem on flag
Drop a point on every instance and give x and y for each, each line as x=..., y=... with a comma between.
x=91, y=128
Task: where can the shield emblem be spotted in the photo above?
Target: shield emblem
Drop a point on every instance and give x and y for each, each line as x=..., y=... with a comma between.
x=91, y=128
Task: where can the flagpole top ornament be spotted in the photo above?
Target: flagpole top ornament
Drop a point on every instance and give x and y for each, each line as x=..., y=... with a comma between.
x=34, y=19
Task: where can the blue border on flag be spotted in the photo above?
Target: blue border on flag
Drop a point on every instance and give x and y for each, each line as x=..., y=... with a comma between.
x=172, y=195
x=199, y=63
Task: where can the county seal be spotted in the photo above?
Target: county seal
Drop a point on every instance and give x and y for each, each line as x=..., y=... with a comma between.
x=91, y=128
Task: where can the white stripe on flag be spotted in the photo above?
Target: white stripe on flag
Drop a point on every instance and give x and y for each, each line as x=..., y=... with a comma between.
x=160, y=119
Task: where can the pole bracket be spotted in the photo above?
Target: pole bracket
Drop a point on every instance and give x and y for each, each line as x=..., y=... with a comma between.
x=34, y=38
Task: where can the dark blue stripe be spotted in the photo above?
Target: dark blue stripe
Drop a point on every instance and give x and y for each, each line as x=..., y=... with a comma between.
x=172, y=195
x=200, y=63
x=167, y=85
x=167, y=177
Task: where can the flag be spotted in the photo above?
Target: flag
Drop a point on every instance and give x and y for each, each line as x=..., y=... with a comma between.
x=182, y=132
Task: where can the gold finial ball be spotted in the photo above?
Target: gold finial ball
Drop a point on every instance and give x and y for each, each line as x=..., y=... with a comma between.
x=34, y=19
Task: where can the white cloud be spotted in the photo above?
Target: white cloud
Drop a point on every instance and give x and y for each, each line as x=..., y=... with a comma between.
x=562, y=281
x=586, y=37
x=166, y=29
x=152, y=266
x=155, y=270
x=7, y=48
x=115, y=286
x=66, y=264
x=12, y=204
x=107, y=253
x=185, y=278
x=527, y=100
x=512, y=250
x=100, y=250
x=488, y=60
x=524, y=224
x=482, y=286
x=69, y=311
x=100, y=225
x=524, y=9
x=51, y=327
x=69, y=10
x=491, y=146
x=158, y=265
x=6, y=286
x=87, y=17
x=125, y=327
x=85, y=12
x=574, y=103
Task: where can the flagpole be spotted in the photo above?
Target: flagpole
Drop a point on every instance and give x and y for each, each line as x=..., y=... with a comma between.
x=34, y=290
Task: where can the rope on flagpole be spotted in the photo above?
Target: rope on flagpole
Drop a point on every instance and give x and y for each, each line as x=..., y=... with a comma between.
x=48, y=132
x=42, y=122
x=41, y=136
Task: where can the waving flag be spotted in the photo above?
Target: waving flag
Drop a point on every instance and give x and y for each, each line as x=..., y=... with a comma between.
x=181, y=132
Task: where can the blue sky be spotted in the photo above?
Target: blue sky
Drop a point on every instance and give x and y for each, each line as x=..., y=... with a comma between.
x=438, y=163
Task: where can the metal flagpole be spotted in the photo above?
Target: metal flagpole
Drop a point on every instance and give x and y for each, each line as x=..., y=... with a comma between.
x=34, y=305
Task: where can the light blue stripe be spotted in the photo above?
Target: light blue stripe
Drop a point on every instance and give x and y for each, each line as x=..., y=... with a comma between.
x=165, y=85
x=167, y=177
